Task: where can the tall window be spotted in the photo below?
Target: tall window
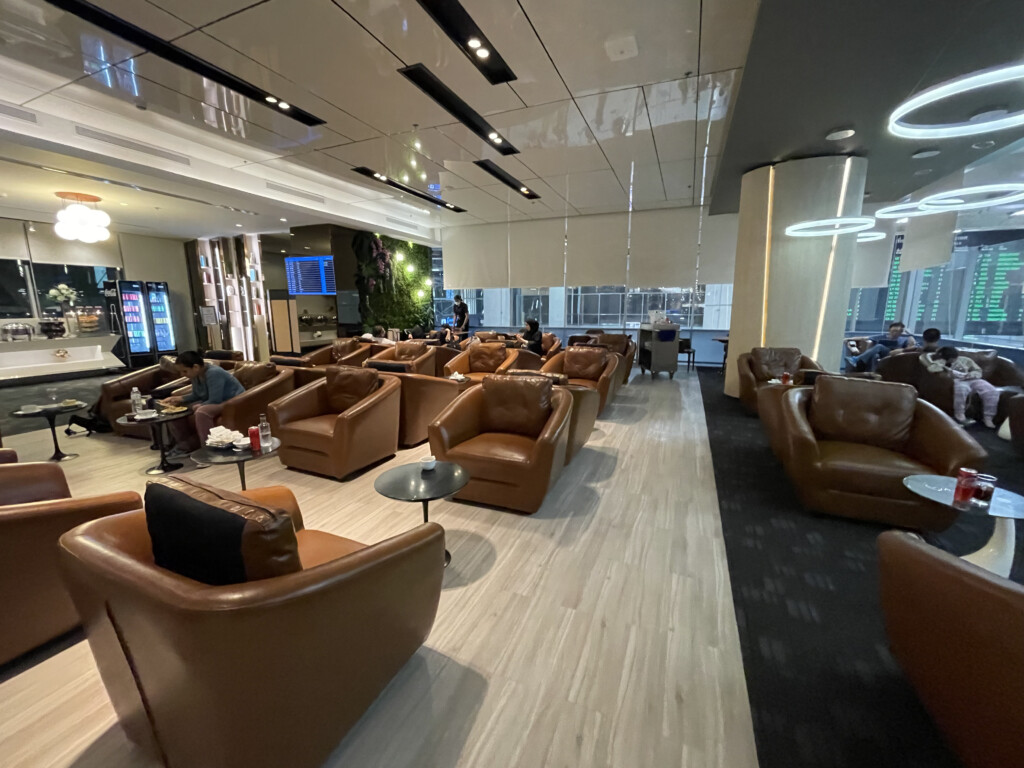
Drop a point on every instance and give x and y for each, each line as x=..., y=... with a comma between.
x=15, y=288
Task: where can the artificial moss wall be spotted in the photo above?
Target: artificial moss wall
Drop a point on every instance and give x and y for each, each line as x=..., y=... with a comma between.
x=389, y=292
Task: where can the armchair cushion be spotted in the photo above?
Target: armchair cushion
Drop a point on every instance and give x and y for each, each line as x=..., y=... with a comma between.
x=862, y=411
x=585, y=362
x=854, y=467
x=251, y=374
x=485, y=357
x=409, y=350
x=771, y=362
x=341, y=348
x=215, y=537
x=347, y=385
x=518, y=405
x=487, y=456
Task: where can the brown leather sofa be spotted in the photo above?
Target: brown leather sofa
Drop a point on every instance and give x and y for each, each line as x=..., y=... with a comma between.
x=481, y=359
x=847, y=444
x=761, y=364
x=1015, y=413
x=511, y=435
x=311, y=366
x=593, y=367
x=422, y=398
x=412, y=356
x=341, y=423
x=267, y=672
x=956, y=631
x=937, y=388
x=115, y=395
x=37, y=509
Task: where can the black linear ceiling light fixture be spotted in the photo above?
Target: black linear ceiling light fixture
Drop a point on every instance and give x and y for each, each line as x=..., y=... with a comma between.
x=460, y=27
x=428, y=82
x=172, y=53
x=372, y=174
x=507, y=178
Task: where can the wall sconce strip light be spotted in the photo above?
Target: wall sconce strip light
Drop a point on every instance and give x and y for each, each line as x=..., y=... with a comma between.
x=372, y=174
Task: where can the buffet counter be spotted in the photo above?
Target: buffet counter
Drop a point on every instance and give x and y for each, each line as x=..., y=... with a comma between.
x=41, y=357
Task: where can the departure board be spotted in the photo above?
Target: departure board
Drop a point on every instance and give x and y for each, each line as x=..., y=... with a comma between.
x=310, y=275
x=994, y=303
x=896, y=278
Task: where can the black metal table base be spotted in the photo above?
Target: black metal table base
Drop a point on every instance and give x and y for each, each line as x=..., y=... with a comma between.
x=241, y=473
x=58, y=454
x=165, y=465
x=426, y=519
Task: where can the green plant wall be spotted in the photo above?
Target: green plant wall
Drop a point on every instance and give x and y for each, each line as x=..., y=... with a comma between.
x=391, y=278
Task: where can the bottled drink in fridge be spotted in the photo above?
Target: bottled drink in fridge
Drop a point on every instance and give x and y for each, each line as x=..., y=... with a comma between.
x=264, y=433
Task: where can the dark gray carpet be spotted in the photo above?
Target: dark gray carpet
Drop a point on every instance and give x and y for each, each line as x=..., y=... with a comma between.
x=12, y=398
x=824, y=690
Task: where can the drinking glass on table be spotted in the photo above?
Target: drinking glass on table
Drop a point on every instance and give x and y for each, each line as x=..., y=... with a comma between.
x=51, y=392
x=984, y=487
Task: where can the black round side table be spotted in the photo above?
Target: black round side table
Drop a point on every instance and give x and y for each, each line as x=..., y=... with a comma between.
x=156, y=425
x=50, y=413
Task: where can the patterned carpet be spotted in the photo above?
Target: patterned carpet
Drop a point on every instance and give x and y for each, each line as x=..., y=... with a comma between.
x=824, y=690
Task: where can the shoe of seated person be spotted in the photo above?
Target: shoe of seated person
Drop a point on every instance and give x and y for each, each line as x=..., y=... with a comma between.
x=178, y=452
x=851, y=363
x=988, y=422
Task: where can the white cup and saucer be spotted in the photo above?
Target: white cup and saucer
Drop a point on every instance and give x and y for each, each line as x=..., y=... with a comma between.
x=31, y=409
x=427, y=463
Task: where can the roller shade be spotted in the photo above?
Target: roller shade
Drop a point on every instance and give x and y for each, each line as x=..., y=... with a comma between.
x=871, y=261
x=597, y=250
x=928, y=241
x=537, y=253
x=663, y=248
x=475, y=256
x=718, y=248
x=12, y=240
x=47, y=248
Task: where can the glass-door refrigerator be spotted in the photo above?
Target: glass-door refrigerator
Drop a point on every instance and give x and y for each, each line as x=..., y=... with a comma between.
x=159, y=300
x=129, y=315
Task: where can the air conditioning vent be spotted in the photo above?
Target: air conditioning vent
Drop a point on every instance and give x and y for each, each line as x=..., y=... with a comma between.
x=17, y=113
x=295, y=192
x=135, y=146
x=403, y=223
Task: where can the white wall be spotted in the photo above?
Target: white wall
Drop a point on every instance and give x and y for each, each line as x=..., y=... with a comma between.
x=160, y=259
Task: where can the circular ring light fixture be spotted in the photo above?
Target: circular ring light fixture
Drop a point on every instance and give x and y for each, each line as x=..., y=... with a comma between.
x=960, y=199
x=903, y=210
x=983, y=79
x=830, y=227
x=870, y=237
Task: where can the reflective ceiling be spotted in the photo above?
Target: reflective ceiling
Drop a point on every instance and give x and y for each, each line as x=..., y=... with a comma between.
x=609, y=99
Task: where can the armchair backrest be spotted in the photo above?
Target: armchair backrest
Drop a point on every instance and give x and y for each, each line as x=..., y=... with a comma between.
x=223, y=354
x=485, y=357
x=862, y=411
x=549, y=343
x=409, y=350
x=985, y=358
x=904, y=368
x=771, y=362
x=585, y=362
x=340, y=348
x=616, y=342
x=251, y=374
x=32, y=481
x=486, y=335
x=347, y=385
x=518, y=405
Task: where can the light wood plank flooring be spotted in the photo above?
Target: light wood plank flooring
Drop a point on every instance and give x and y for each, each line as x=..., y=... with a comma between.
x=598, y=632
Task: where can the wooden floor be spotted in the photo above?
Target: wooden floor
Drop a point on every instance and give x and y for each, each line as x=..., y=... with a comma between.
x=598, y=632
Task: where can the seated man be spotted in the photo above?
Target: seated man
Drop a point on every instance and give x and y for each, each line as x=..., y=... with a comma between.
x=881, y=346
x=212, y=386
x=379, y=336
x=931, y=338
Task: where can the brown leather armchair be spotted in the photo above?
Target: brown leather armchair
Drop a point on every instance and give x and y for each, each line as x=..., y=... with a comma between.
x=115, y=395
x=592, y=367
x=423, y=398
x=847, y=444
x=270, y=672
x=623, y=345
x=481, y=359
x=585, y=405
x=310, y=366
x=937, y=388
x=413, y=356
x=510, y=434
x=550, y=344
x=37, y=509
x=1015, y=410
x=339, y=424
x=264, y=383
x=956, y=630
x=761, y=364
x=443, y=356
x=528, y=361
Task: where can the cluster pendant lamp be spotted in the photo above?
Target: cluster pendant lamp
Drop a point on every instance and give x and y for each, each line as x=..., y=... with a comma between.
x=77, y=221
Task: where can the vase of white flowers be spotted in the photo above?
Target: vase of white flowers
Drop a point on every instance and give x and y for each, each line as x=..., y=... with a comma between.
x=66, y=296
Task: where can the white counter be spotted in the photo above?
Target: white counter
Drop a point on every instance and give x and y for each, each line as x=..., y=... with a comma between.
x=25, y=359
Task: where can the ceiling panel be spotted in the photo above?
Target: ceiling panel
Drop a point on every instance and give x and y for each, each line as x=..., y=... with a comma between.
x=200, y=12
x=515, y=200
x=216, y=52
x=726, y=29
x=647, y=183
x=482, y=205
x=434, y=145
x=549, y=195
x=620, y=123
x=392, y=159
x=678, y=179
x=327, y=175
x=600, y=47
x=146, y=15
x=406, y=29
x=350, y=67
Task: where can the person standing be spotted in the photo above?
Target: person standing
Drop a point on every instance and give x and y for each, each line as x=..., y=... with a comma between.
x=881, y=346
x=212, y=386
x=532, y=337
x=461, y=312
x=966, y=379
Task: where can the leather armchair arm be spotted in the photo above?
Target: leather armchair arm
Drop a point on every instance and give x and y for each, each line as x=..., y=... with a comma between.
x=555, y=349
x=362, y=422
x=166, y=390
x=798, y=436
x=458, y=422
x=458, y=364
x=319, y=356
x=32, y=481
x=387, y=355
x=8, y=456
x=810, y=363
x=936, y=440
x=528, y=361
x=748, y=382
x=556, y=427
x=303, y=403
x=69, y=512
x=604, y=384
x=555, y=363
x=243, y=411
x=511, y=355
x=424, y=364
x=277, y=496
x=357, y=358
x=936, y=388
x=1006, y=374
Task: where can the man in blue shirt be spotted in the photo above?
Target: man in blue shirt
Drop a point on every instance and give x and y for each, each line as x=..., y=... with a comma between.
x=212, y=386
x=881, y=346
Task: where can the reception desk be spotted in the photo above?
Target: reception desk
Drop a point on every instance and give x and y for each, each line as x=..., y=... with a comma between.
x=29, y=359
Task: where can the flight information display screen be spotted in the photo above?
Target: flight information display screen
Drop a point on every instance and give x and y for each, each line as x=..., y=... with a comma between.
x=310, y=275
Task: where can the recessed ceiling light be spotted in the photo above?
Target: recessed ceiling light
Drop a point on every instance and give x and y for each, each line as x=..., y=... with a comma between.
x=405, y=178
x=524, y=190
x=985, y=122
x=412, y=162
x=272, y=99
x=923, y=154
x=405, y=188
x=987, y=144
x=449, y=205
x=283, y=219
x=238, y=225
x=283, y=251
x=284, y=105
x=482, y=53
x=839, y=134
x=305, y=247
x=830, y=227
x=492, y=135
x=383, y=177
x=473, y=42
x=496, y=139
x=416, y=144
x=423, y=175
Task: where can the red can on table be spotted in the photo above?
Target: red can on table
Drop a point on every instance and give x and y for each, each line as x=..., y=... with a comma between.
x=787, y=377
x=254, y=438
x=964, y=491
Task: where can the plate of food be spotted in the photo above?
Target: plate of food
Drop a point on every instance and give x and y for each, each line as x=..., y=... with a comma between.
x=174, y=408
x=70, y=402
